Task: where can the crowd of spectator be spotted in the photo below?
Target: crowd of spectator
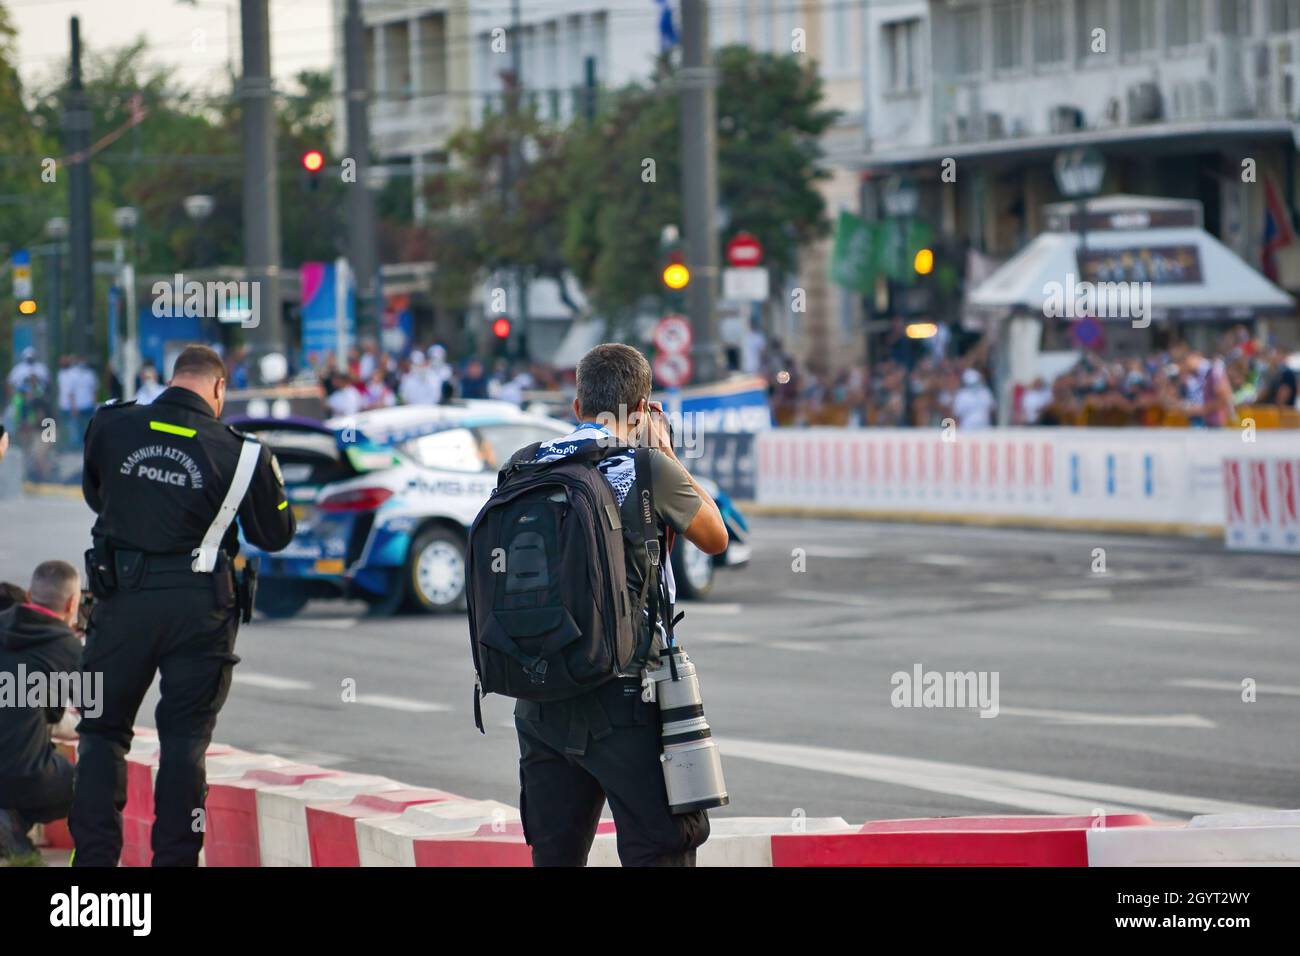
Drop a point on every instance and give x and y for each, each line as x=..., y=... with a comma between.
x=1178, y=386
x=375, y=379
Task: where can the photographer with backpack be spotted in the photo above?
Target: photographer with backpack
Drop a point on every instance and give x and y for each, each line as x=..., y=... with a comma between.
x=570, y=597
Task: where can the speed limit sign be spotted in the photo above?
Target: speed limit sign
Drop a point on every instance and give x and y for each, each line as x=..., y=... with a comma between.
x=673, y=334
x=673, y=369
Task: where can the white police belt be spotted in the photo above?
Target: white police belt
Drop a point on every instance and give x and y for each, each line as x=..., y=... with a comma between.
x=205, y=555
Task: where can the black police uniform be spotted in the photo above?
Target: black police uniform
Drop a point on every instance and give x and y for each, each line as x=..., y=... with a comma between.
x=156, y=475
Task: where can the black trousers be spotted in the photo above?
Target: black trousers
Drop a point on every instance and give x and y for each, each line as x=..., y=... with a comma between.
x=42, y=797
x=187, y=635
x=572, y=758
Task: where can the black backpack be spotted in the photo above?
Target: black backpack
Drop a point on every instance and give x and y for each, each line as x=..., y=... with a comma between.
x=550, y=616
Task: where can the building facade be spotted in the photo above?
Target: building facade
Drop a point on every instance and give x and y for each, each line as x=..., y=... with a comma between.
x=1189, y=99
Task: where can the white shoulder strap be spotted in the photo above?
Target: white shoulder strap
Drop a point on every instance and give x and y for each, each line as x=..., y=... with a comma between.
x=205, y=555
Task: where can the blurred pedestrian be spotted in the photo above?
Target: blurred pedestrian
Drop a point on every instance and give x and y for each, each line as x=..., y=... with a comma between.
x=474, y=383
x=344, y=398
x=25, y=370
x=973, y=405
x=419, y=385
x=150, y=388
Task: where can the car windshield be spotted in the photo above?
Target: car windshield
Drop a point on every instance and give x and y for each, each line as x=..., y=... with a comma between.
x=455, y=449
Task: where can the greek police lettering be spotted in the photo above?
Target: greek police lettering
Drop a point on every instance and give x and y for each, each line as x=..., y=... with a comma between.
x=134, y=910
x=132, y=465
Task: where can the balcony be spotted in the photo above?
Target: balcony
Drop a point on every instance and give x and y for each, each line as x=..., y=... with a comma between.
x=403, y=126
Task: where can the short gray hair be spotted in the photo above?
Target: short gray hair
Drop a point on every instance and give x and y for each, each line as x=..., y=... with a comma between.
x=612, y=379
x=53, y=584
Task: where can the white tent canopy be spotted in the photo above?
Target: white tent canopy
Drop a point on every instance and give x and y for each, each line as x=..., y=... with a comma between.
x=1187, y=273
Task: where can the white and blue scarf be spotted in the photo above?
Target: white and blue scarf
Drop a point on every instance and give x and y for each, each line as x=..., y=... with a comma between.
x=618, y=470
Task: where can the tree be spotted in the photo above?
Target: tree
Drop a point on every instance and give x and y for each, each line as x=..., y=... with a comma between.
x=769, y=126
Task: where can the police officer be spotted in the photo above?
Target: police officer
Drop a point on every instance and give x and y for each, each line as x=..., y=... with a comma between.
x=167, y=481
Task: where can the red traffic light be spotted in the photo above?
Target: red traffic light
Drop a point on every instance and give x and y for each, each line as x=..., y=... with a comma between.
x=313, y=161
x=501, y=327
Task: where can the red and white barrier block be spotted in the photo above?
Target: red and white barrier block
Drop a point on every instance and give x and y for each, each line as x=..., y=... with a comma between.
x=405, y=840
x=954, y=841
x=283, y=838
x=332, y=827
x=1221, y=839
x=734, y=841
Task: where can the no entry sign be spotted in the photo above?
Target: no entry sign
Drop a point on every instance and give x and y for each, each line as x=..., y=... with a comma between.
x=744, y=250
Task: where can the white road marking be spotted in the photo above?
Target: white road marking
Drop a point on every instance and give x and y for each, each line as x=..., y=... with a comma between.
x=1195, y=627
x=831, y=551
x=1006, y=587
x=1006, y=788
x=1235, y=687
x=1076, y=594
x=803, y=646
x=1246, y=584
x=831, y=597
x=331, y=623
x=944, y=560
x=1113, y=720
x=404, y=704
x=722, y=637
x=705, y=608
x=269, y=681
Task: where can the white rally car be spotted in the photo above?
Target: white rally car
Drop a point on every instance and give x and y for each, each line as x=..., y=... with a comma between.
x=384, y=500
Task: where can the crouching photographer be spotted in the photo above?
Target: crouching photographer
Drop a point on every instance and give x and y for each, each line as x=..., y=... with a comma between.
x=570, y=605
x=38, y=649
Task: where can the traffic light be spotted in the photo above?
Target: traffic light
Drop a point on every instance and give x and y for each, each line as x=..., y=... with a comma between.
x=923, y=261
x=27, y=306
x=676, y=276
x=313, y=161
x=501, y=327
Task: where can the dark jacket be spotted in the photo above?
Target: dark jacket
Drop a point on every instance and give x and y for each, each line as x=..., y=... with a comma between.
x=40, y=643
x=156, y=475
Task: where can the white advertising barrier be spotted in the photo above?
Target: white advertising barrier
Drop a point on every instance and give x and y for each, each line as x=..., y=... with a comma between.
x=282, y=813
x=733, y=841
x=1138, y=476
x=1261, y=507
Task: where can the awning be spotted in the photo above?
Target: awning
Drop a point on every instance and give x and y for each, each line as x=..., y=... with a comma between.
x=1181, y=273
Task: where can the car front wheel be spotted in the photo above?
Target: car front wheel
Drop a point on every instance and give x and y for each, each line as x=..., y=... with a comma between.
x=692, y=571
x=435, y=571
x=279, y=598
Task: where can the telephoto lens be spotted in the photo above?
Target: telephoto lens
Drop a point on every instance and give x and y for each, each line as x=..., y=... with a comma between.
x=691, y=762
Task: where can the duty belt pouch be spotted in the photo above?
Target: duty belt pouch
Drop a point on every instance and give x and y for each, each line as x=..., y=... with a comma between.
x=129, y=569
x=223, y=583
x=99, y=574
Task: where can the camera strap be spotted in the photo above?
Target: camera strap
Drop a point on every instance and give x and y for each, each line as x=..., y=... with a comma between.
x=649, y=597
x=205, y=555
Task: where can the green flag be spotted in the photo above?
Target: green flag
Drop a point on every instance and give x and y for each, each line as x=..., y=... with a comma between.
x=853, y=261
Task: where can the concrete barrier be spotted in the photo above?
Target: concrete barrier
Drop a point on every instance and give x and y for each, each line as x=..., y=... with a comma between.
x=953, y=841
x=332, y=827
x=232, y=827
x=282, y=813
x=402, y=841
x=733, y=841
x=1221, y=839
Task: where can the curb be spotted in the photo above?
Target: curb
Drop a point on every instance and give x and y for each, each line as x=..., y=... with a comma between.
x=264, y=810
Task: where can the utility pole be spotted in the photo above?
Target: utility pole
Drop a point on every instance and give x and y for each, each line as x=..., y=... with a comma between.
x=514, y=166
x=76, y=140
x=362, y=241
x=261, y=184
x=696, y=80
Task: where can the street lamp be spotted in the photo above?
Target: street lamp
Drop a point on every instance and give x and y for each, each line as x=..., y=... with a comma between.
x=126, y=218
x=56, y=229
x=1079, y=174
x=199, y=207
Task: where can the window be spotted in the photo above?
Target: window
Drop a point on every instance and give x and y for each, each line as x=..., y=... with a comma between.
x=839, y=36
x=1235, y=17
x=900, y=55
x=968, y=40
x=1283, y=15
x=1009, y=35
x=1049, y=31
x=496, y=443
x=455, y=449
x=1185, y=25
x=1137, y=26
x=1094, y=16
